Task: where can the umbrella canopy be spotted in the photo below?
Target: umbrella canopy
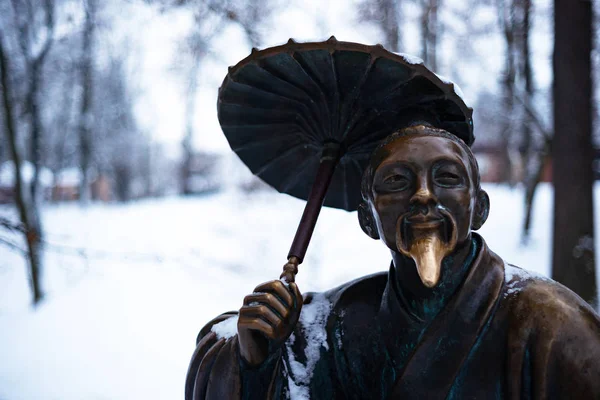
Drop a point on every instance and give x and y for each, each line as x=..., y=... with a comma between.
x=281, y=107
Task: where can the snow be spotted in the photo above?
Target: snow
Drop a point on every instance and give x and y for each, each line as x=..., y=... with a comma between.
x=457, y=88
x=226, y=329
x=313, y=319
x=514, y=275
x=410, y=58
x=129, y=286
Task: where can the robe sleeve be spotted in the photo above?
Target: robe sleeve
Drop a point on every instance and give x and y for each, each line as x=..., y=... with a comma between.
x=217, y=372
x=554, y=347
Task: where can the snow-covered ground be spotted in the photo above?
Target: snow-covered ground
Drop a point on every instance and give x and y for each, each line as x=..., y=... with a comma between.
x=129, y=286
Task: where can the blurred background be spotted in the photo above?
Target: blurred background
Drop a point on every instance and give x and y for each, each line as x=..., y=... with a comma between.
x=127, y=223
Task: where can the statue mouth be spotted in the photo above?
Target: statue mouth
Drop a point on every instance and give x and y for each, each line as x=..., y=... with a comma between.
x=412, y=226
x=427, y=239
x=424, y=224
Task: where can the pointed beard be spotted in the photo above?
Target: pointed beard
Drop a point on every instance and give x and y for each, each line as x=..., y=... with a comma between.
x=427, y=246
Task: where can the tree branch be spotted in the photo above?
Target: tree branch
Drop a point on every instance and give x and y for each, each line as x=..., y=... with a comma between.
x=11, y=226
x=535, y=118
x=49, y=10
x=13, y=246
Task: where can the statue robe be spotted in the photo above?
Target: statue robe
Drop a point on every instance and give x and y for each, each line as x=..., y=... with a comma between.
x=503, y=334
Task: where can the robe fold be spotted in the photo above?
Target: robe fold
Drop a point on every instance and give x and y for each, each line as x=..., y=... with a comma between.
x=503, y=334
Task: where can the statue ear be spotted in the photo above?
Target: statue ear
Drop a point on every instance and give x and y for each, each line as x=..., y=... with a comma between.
x=365, y=218
x=482, y=210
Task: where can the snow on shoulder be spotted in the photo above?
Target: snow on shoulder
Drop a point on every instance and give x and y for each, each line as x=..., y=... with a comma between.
x=513, y=276
x=313, y=319
x=226, y=329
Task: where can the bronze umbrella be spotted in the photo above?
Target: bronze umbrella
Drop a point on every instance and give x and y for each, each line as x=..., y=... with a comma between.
x=305, y=117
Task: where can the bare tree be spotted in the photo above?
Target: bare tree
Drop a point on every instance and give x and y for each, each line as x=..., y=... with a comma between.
x=24, y=200
x=536, y=161
x=32, y=28
x=385, y=14
x=211, y=17
x=506, y=15
x=118, y=145
x=429, y=32
x=62, y=115
x=533, y=155
x=573, y=255
x=86, y=116
x=35, y=39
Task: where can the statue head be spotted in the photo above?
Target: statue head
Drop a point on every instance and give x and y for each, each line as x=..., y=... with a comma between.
x=422, y=196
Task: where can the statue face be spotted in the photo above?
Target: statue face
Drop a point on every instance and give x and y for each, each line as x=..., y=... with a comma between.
x=423, y=187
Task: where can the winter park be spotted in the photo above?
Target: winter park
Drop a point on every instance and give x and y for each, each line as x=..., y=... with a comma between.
x=158, y=158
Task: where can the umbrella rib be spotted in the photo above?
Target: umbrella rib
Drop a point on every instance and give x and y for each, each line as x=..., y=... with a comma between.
x=411, y=102
x=322, y=92
x=308, y=124
x=390, y=90
x=356, y=115
x=359, y=117
x=426, y=99
x=296, y=176
x=262, y=169
x=336, y=99
x=368, y=137
x=315, y=111
x=266, y=140
x=303, y=125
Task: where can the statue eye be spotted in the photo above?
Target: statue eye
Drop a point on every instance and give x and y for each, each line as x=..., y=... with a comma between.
x=396, y=181
x=445, y=178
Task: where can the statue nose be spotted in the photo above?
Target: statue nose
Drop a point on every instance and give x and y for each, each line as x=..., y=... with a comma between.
x=423, y=197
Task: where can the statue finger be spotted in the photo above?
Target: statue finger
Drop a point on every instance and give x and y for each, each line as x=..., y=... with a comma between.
x=298, y=299
x=256, y=324
x=261, y=311
x=269, y=299
x=277, y=287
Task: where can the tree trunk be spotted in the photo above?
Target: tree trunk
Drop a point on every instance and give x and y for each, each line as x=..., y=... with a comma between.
x=429, y=28
x=391, y=24
x=25, y=203
x=35, y=155
x=531, y=185
x=188, y=140
x=506, y=13
x=573, y=259
x=85, y=116
x=531, y=173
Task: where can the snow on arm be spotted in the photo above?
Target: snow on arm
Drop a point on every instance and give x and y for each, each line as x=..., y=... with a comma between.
x=226, y=329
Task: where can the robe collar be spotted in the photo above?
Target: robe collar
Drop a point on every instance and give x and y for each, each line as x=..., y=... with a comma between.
x=428, y=355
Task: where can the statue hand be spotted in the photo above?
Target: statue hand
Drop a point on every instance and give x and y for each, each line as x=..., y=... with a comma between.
x=267, y=318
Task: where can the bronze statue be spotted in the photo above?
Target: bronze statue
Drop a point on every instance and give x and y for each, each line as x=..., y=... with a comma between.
x=449, y=320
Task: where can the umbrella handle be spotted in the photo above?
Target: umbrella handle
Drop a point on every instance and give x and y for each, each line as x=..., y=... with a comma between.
x=290, y=269
x=329, y=159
